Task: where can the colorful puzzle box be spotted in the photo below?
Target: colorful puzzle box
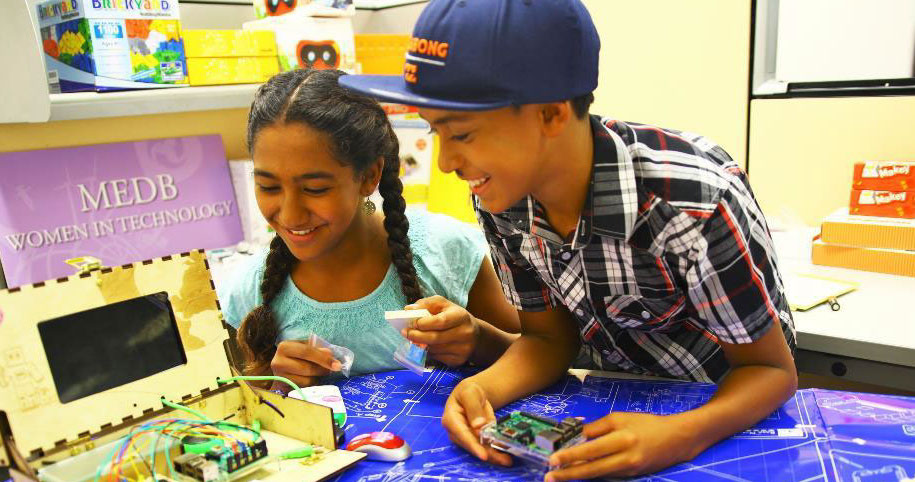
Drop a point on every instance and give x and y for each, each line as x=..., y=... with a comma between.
x=112, y=44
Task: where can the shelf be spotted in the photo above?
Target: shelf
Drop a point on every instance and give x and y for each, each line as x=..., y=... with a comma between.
x=90, y=105
x=384, y=4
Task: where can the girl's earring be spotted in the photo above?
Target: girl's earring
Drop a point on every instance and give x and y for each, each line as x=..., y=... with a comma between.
x=368, y=207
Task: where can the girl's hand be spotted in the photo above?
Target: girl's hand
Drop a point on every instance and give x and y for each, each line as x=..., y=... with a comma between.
x=466, y=412
x=625, y=444
x=302, y=363
x=451, y=333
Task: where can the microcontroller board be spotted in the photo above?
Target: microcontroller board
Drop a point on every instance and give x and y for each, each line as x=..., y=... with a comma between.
x=532, y=437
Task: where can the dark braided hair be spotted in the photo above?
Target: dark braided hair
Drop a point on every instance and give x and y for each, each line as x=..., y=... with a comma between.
x=360, y=134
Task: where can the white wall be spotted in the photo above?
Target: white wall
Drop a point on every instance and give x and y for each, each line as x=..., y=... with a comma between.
x=845, y=40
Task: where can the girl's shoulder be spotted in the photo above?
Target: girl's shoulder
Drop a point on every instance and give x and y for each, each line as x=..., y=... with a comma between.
x=239, y=286
x=433, y=233
x=447, y=254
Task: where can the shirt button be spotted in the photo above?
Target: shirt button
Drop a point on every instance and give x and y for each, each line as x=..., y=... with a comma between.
x=566, y=256
x=579, y=312
x=646, y=315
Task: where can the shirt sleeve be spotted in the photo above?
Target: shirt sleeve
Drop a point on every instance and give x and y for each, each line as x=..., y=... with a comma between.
x=240, y=293
x=520, y=284
x=451, y=251
x=733, y=282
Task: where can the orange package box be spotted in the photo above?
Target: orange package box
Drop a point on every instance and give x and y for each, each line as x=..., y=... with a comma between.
x=884, y=176
x=890, y=204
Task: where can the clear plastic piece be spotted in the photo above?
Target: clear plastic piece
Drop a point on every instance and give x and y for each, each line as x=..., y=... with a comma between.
x=411, y=356
x=341, y=353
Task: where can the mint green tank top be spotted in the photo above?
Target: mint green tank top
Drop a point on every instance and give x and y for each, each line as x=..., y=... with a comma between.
x=447, y=255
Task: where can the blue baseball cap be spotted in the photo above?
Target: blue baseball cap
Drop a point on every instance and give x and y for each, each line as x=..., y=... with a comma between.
x=487, y=54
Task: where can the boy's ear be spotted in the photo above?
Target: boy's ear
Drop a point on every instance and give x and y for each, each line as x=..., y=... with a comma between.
x=554, y=117
x=371, y=177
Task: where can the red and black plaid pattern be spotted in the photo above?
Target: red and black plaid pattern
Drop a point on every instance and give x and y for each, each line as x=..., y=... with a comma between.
x=671, y=254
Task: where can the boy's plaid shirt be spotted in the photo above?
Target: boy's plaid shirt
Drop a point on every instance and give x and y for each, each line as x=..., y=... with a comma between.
x=671, y=255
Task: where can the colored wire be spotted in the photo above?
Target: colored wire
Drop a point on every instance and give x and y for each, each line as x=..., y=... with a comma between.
x=240, y=438
x=265, y=377
x=186, y=409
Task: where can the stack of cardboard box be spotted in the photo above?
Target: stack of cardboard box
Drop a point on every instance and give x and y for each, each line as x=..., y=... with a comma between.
x=877, y=232
x=230, y=56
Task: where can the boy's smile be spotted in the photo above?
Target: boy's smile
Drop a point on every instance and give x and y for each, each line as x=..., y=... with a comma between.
x=505, y=155
x=497, y=152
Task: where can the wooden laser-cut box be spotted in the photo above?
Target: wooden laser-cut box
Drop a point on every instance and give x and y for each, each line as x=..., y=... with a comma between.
x=47, y=430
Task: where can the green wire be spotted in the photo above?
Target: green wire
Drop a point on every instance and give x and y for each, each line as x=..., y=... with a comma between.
x=186, y=409
x=98, y=472
x=265, y=377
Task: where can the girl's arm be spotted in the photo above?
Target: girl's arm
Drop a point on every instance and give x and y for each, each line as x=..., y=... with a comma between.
x=497, y=319
x=480, y=333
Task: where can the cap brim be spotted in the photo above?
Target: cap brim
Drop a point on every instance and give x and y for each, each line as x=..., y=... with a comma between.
x=392, y=88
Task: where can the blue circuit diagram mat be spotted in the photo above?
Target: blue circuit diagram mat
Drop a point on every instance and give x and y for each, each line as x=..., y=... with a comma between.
x=817, y=435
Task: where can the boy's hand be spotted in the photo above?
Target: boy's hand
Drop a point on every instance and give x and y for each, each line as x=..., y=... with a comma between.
x=466, y=412
x=302, y=363
x=450, y=334
x=625, y=444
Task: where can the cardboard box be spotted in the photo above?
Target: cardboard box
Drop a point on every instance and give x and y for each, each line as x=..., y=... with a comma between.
x=111, y=44
x=229, y=43
x=164, y=340
x=889, y=261
x=890, y=204
x=316, y=8
x=884, y=176
x=229, y=70
x=381, y=54
x=868, y=231
x=311, y=42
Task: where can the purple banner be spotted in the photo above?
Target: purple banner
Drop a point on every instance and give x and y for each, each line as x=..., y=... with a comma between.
x=120, y=203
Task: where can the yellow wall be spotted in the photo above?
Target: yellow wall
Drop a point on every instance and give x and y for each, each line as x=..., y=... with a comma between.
x=230, y=124
x=683, y=65
x=802, y=150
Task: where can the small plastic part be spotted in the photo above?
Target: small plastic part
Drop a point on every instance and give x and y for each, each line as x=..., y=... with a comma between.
x=302, y=452
x=341, y=353
x=411, y=356
x=198, y=445
x=401, y=319
x=85, y=264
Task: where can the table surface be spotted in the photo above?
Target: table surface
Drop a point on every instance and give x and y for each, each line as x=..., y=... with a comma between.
x=816, y=435
x=875, y=322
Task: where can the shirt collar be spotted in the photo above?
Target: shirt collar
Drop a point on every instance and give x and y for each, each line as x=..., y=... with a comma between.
x=613, y=198
x=610, y=205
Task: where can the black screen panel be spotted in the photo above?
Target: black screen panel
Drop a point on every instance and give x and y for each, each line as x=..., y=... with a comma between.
x=106, y=347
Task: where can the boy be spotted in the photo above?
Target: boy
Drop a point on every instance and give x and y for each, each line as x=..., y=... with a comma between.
x=637, y=248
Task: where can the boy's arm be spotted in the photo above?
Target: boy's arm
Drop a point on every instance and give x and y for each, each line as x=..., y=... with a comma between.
x=626, y=444
x=547, y=346
x=541, y=355
x=486, y=302
x=735, y=293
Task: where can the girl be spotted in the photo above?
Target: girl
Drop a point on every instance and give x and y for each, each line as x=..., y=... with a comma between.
x=335, y=265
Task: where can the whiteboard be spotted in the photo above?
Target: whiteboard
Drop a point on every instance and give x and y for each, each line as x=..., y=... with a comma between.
x=817, y=41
